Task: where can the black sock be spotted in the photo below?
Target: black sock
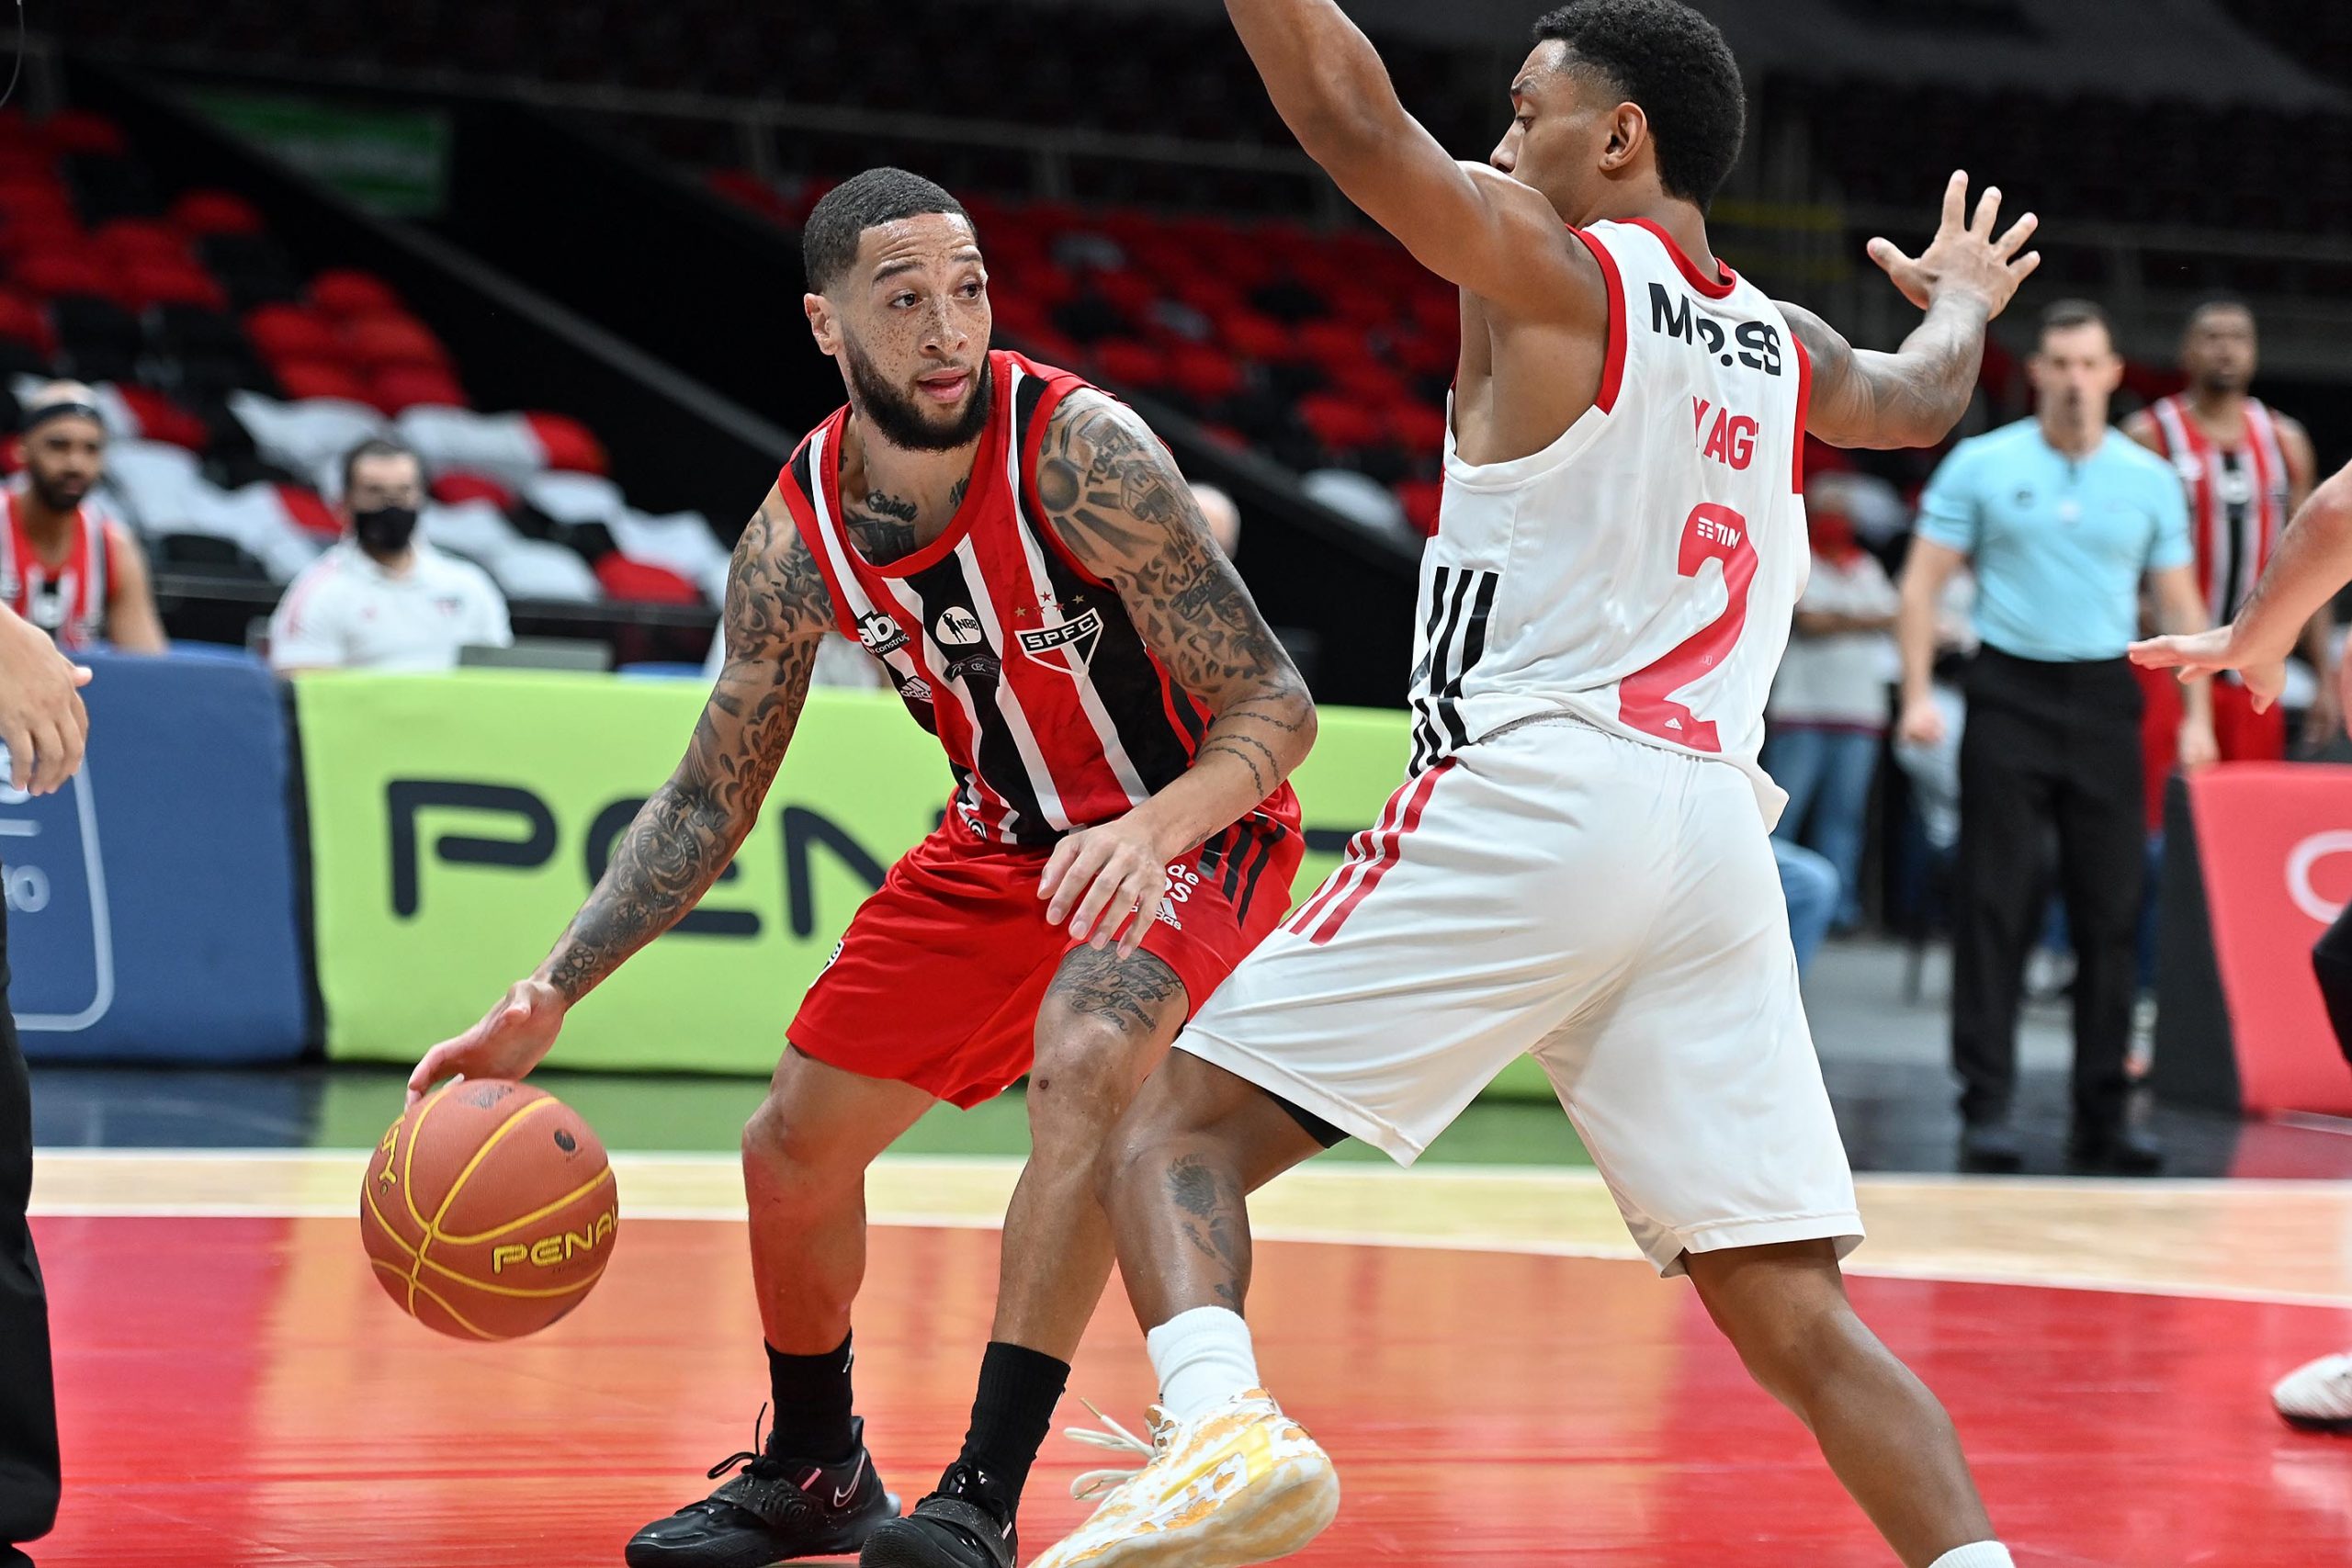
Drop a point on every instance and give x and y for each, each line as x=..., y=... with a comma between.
x=812, y=1405
x=1013, y=1413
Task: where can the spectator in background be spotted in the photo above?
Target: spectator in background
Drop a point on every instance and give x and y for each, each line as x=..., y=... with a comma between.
x=1809, y=887
x=2247, y=469
x=45, y=725
x=381, y=598
x=77, y=575
x=1223, y=517
x=2061, y=516
x=1827, y=713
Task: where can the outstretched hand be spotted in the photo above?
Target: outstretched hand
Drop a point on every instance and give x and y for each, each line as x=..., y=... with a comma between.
x=1964, y=257
x=2195, y=654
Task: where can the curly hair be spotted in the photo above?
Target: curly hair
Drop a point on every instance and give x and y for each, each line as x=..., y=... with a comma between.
x=1672, y=62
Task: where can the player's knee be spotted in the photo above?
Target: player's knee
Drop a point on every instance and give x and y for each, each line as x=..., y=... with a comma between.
x=785, y=1149
x=1084, y=1076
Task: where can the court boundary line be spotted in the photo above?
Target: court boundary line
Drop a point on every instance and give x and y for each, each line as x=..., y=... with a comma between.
x=1578, y=1177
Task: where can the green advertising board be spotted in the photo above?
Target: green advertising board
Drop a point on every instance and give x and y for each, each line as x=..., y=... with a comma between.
x=456, y=821
x=394, y=161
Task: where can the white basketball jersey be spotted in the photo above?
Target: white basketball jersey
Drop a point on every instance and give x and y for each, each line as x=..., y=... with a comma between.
x=1642, y=571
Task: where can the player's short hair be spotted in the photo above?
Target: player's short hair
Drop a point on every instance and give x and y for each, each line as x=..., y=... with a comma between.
x=1674, y=63
x=2212, y=303
x=2065, y=315
x=828, y=240
x=377, y=446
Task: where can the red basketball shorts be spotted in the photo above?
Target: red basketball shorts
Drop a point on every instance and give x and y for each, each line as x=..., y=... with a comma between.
x=938, y=980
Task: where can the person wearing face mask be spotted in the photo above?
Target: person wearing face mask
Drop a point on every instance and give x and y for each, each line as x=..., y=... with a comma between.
x=383, y=599
x=2061, y=516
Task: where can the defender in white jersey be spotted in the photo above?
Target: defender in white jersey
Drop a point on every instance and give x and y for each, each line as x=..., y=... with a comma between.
x=1576, y=865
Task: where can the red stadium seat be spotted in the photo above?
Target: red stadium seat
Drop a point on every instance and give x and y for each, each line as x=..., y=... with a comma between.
x=144, y=284
x=1421, y=500
x=1417, y=428
x=748, y=190
x=344, y=291
x=79, y=130
x=217, y=212
x=383, y=340
x=160, y=419
x=455, y=488
x=21, y=321
x=310, y=513
x=643, y=582
x=25, y=232
x=569, y=443
x=1341, y=424
x=65, y=272
x=303, y=378
x=131, y=240
x=1333, y=345
x=1370, y=383
x=400, y=387
x=1261, y=338
x=1203, y=374
x=1131, y=292
x=1124, y=364
x=293, y=331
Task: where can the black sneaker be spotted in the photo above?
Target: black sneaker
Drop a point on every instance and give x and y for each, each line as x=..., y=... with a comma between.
x=968, y=1523
x=2120, y=1151
x=1990, y=1148
x=778, y=1509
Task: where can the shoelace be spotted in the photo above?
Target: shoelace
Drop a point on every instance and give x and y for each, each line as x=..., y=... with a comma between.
x=1117, y=1439
x=752, y=1458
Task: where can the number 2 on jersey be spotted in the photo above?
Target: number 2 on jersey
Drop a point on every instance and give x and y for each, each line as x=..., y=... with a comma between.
x=1645, y=699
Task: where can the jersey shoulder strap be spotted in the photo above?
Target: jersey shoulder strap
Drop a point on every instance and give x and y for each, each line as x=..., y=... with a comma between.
x=805, y=483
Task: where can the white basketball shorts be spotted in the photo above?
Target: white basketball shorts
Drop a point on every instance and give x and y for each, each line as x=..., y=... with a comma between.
x=1609, y=906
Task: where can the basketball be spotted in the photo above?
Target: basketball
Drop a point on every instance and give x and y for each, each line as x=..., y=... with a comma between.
x=489, y=1210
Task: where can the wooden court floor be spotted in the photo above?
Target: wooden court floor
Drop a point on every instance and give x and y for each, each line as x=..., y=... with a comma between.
x=1500, y=1381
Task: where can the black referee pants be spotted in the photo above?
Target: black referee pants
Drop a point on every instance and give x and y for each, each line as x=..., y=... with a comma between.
x=2332, y=961
x=29, y=1476
x=2047, y=748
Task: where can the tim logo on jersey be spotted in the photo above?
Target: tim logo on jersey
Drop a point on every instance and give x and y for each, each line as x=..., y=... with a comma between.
x=1067, y=646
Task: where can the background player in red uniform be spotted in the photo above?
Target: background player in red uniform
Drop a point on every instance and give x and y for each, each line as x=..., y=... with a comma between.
x=76, y=574
x=2247, y=469
x=1022, y=554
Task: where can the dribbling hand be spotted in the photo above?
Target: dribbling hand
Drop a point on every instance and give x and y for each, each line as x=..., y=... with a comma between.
x=1964, y=257
x=508, y=1043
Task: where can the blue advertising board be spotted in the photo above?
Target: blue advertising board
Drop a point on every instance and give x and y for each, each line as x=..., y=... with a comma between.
x=152, y=909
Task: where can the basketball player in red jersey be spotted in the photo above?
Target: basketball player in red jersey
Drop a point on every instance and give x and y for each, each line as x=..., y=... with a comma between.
x=1022, y=555
x=2247, y=469
x=78, y=575
x=1578, y=864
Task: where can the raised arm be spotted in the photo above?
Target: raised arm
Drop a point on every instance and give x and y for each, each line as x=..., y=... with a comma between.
x=777, y=611
x=1915, y=396
x=1471, y=225
x=1115, y=499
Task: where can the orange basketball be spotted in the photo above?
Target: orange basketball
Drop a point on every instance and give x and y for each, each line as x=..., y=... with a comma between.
x=489, y=1210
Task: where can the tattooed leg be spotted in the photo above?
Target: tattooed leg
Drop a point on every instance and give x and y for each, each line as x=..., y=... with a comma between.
x=1197, y=1140
x=1103, y=1025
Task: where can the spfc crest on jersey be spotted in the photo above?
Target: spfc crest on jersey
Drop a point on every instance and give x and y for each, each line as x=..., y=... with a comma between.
x=1067, y=646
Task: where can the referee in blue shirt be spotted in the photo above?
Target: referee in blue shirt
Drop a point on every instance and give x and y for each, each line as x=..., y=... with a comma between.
x=2062, y=517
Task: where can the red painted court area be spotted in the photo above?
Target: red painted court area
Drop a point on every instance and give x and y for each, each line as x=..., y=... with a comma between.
x=239, y=1392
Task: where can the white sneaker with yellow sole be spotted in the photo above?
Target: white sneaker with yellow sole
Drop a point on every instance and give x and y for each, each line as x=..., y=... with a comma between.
x=1244, y=1483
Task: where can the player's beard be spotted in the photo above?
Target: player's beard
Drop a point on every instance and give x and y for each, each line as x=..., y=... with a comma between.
x=901, y=420
x=53, y=496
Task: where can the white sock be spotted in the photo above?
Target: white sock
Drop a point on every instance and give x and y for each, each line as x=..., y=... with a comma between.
x=1982, y=1554
x=1203, y=1357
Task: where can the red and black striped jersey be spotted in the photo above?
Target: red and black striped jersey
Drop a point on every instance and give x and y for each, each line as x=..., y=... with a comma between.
x=1053, y=713
x=2237, y=498
x=67, y=601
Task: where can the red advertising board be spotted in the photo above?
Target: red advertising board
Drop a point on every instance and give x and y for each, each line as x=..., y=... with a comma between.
x=2275, y=843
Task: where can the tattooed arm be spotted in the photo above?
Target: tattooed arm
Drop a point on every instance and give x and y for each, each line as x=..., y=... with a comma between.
x=1114, y=497
x=777, y=611
x=1915, y=396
